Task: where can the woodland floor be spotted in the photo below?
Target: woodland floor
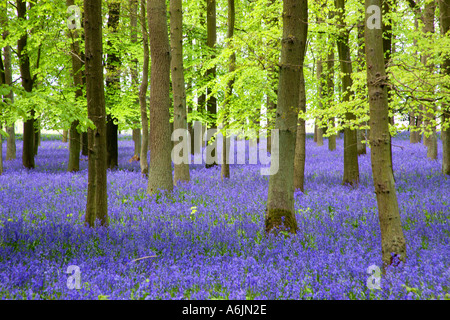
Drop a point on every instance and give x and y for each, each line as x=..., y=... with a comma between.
x=207, y=238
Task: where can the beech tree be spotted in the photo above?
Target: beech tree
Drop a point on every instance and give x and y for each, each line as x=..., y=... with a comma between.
x=351, y=169
x=280, y=202
x=444, y=8
x=10, y=130
x=225, y=170
x=211, y=103
x=160, y=170
x=112, y=85
x=143, y=92
x=181, y=171
x=77, y=64
x=133, y=9
x=27, y=84
x=97, y=202
x=392, y=239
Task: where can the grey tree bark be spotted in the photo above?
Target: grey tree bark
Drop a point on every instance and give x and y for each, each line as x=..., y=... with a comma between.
x=160, y=172
x=133, y=9
x=392, y=239
x=143, y=92
x=181, y=171
x=77, y=64
x=280, y=202
x=225, y=170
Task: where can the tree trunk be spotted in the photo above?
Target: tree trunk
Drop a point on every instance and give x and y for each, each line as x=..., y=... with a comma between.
x=429, y=128
x=133, y=6
x=392, y=239
x=160, y=173
x=84, y=140
x=143, y=94
x=280, y=201
x=65, y=136
x=225, y=170
x=444, y=8
x=300, y=144
x=2, y=82
x=415, y=118
x=351, y=169
x=360, y=133
x=112, y=87
x=97, y=202
x=27, y=84
x=77, y=65
x=330, y=89
x=11, y=140
x=319, y=130
x=211, y=103
x=181, y=171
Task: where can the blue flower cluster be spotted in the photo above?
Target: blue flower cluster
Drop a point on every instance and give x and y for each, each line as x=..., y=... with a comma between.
x=206, y=240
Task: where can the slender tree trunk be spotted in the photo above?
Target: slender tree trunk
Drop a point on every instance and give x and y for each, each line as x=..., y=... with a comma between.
x=361, y=147
x=315, y=131
x=2, y=82
x=84, y=135
x=133, y=6
x=280, y=202
x=319, y=130
x=225, y=170
x=272, y=77
x=160, y=173
x=351, y=169
x=211, y=103
x=330, y=89
x=415, y=118
x=444, y=8
x=37, y=136
x=143, y=93
x=112, y=87
x=392, y=239
x=65, y=136
x=27, y=84
x=300, y=144
x=97, y=202
x=11, y=140
x=431, y=140
x=84, y=142
x=181, y=171
x=74, y=143
x=1, y=151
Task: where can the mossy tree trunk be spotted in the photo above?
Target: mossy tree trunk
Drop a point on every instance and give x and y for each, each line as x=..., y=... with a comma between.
x=392, y=239
x=280, y=203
